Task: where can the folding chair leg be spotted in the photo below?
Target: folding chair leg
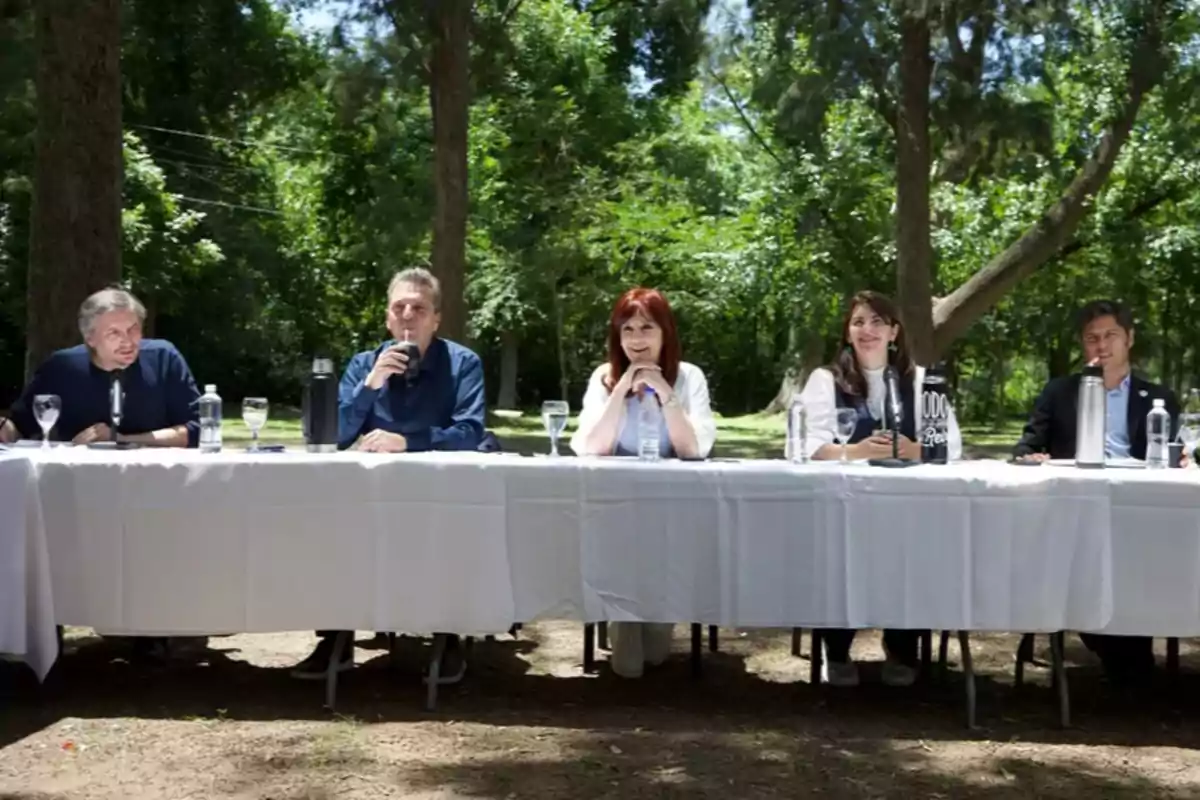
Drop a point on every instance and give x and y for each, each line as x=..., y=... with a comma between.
x=926, y=653
x=60, y=637
x=815, y=657
x=943, y=653
x=392, y=648
x=435, y=671
x=343, y=639
x=602, y=635
x=1057, y=646
x=968, y=665
x=589, y=648
x=1173, y=658
x=1024, y=656
x=713, y=641
x=697, y=649
x=797, y=640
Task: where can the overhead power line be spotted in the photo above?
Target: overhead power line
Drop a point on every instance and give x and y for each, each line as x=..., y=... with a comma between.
x=246, y=142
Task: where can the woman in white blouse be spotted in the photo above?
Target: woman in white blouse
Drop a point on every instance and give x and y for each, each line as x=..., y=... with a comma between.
x=872, y=337
x=643, y=351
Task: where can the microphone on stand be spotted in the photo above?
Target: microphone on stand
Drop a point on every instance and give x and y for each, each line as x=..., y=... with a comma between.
x=893, y=414
x=116, y=402
x=893, y=407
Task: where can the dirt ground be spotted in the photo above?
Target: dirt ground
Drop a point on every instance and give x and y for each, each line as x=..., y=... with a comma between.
x=226, y=721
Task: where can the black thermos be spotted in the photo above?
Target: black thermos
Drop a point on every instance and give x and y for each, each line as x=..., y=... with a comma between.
x=321, y=408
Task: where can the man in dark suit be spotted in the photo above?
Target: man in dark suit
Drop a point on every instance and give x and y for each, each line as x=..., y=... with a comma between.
x=1107, y=331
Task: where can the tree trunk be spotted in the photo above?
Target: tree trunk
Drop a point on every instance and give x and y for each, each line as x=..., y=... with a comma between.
x=449, y=89
x=914, y=252
x=510, y=348
x=1052, y=232
x=75, y=231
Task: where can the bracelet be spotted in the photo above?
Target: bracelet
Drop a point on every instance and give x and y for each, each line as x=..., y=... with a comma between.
x=671, y=402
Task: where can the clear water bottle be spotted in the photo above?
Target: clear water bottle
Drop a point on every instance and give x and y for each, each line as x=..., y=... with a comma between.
x=797, y=432
x=649, y=424
x=1158, y=436
x=210, y=420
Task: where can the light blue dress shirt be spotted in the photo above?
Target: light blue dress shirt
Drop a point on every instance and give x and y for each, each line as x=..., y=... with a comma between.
x=1116, y=440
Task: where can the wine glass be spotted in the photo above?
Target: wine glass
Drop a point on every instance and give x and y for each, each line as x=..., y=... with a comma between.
x=46, y=408
x=254, y=414
x=847, y=421
x=1189, y=433
x=554, y=417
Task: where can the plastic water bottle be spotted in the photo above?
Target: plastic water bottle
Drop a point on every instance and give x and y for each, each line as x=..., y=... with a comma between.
x=210, y=420
x=649, y=424
x=1158, y=436
x=797, y=432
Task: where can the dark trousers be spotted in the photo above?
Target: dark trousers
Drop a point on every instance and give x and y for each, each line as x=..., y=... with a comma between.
x=902, y=645
x=1122, y=655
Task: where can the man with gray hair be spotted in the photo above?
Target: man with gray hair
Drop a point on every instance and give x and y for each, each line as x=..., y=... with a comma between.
x=159, y=407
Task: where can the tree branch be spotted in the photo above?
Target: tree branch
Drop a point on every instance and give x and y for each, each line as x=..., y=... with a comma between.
x=712, y=73
x=510, y=13
x=1050, y=233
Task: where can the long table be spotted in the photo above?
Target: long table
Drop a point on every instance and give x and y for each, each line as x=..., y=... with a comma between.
x=180, y=542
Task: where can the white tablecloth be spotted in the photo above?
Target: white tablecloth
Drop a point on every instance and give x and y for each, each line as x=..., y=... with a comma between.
x=26, y=603
x=975, y=546
x=163, y=542
x=179, y=542
x=1156, y=553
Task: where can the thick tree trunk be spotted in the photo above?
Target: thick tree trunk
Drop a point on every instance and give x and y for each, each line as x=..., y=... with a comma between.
x=449, y=90
x=1052, y=232
x=75, y=237
x=914, y=252
x=510, y=348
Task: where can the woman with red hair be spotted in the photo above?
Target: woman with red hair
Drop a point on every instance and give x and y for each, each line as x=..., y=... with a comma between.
x=644, y=352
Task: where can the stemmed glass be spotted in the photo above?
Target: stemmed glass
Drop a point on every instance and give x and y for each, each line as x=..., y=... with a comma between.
x=46, y=408
x=847, y=421
x=254, y=414
x=554, y=417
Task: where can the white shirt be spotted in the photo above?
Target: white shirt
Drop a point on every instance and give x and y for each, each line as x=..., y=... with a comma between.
x=691, y=389
x=820, y=401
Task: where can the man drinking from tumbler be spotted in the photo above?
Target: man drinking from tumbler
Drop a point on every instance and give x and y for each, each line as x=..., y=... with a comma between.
x=414, y=393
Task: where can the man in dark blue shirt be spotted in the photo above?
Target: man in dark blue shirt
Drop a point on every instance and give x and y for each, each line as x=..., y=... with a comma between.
x=389, y=404
x=159, y=394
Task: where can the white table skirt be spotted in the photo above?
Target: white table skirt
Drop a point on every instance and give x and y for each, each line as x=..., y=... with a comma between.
x=26, y=602
x=178, y=542
x=1156, y=554
x=975, y=546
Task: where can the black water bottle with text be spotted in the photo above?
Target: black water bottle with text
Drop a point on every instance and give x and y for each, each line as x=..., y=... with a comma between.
x=935, y=417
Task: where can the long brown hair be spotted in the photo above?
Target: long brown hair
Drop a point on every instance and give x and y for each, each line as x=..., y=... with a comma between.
x=650, y=303
x=846, y=371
